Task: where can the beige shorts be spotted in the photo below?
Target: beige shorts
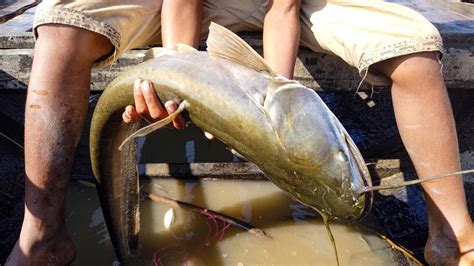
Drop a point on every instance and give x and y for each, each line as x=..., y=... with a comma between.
x=361, y=32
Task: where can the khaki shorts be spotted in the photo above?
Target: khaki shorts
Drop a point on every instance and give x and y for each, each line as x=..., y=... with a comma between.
x=361, y=32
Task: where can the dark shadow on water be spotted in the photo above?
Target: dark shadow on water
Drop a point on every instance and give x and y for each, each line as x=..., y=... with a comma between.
x=12, y=179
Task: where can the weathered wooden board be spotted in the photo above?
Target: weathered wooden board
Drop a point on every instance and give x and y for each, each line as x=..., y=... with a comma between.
x=17, y=33
x=440, y=11
x=17, y=8
x=242, y=170
x=451, y=17
x=331, y=73
x=454, y=20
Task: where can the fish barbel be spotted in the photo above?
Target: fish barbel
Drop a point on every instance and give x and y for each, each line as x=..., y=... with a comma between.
x=230, y=92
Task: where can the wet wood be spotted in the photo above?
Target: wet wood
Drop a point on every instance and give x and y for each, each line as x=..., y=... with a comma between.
x=17, y=8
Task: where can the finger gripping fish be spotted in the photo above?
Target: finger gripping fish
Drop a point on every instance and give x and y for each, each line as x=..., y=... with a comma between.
x=230, y=92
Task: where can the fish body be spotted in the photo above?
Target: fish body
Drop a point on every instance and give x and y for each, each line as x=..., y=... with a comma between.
x=278, y=124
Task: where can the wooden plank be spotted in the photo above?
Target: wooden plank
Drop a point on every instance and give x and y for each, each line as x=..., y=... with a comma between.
x=18, y=40
x=242, y=170
x=15, y=69
x=454, y=20
x=382, y=168
x=331, y=73
x=385, y=171
x=440, y=11
x=18, y=8
x=18, y=26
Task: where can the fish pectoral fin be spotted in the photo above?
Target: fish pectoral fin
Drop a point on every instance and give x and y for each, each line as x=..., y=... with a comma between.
x=223, y=43
x=155, y=126
x=182, y=47
x=157, y=52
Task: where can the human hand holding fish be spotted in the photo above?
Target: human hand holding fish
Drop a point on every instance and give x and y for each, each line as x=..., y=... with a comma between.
x=149, y=107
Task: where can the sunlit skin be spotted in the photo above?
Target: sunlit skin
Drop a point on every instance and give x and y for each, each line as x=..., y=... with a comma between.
x=181, y=22
x=281, y=35
x=62, y=109
x=425, y=120
x=51, y=132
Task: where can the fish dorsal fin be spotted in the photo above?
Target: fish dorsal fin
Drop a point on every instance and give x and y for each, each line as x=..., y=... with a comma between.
x=160, y=51
x=182, y=47
x=223, y=43
x=157, y=52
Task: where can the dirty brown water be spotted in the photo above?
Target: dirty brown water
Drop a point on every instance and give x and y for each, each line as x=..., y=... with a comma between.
x=297, y=233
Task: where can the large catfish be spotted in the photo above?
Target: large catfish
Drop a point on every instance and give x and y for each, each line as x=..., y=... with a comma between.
x=276, y=123
x=230, y=92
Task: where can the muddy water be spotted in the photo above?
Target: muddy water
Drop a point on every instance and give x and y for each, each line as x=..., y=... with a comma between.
x=297, y=235
x=86, y=225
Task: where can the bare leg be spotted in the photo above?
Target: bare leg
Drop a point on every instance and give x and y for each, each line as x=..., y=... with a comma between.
x=281, y=36
x=426, y=125
x=181, y=22
x=56, y=108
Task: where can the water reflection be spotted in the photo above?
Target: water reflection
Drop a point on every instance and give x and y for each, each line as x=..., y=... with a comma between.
x=297, y=235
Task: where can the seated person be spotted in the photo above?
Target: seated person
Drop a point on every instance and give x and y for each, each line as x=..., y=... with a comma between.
x=386, y=42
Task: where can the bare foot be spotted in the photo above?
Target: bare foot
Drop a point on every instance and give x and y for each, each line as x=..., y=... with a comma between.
x=446, y=250
x=35, y=247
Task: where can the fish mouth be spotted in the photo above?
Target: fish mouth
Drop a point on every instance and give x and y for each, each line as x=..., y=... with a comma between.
x=363, y=171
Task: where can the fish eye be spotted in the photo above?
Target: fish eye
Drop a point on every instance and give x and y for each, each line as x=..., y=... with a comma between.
x=341, y=156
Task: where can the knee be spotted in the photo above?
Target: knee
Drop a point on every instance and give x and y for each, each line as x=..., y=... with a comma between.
x=71, y=43
x=411, y=69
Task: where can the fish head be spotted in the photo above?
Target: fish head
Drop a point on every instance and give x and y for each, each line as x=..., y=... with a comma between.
x=325, y=169
x=334, y=180
x=345, y=176
x=314, y=158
